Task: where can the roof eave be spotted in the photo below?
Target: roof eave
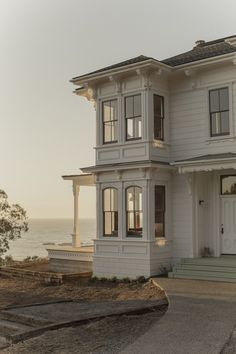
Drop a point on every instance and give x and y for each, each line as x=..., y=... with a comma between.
x=207, y=61
x=203, y=161
x=120, y=70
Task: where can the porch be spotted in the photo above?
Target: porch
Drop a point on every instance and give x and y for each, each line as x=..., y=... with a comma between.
x=211, y=181
x=206, y=268
x=74, y=257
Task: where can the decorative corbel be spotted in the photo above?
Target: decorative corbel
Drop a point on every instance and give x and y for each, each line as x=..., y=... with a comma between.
x=119, y=174
x=143, y=171
x=147, y=82
x=159, y=72
x=189, y=180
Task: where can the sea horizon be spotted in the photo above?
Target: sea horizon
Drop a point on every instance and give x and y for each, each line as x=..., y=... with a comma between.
x=45, y=231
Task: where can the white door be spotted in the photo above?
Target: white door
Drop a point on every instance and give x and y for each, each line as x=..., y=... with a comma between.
x=228, y=224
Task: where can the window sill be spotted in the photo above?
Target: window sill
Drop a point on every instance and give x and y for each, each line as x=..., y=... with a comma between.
x=160, y=144
x=217, y=139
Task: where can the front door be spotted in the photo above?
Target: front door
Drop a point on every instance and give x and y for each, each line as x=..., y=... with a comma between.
x=228, y=224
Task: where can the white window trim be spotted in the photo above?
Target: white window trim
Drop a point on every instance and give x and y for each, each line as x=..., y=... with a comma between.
x=212, y=139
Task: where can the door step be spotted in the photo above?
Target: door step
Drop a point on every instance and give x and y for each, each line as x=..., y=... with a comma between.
x=212, y=269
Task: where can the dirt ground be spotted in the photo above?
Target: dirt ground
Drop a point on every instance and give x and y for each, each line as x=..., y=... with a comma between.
x=17, y=291
x=107, y=336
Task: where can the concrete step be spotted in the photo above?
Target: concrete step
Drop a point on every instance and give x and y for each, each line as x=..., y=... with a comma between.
x=213, y=274
x=203, y=277
x=211, y=268
x=229, y=261
x=204, y=268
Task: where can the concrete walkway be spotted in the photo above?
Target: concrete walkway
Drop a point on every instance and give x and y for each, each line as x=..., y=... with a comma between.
x=200, y=319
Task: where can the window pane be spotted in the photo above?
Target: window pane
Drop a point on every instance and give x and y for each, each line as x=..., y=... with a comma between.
x=228, y=184
x=110, y=201
x=107, y=223
x=129, y=107
x=134, y=128
x=224, y=99
x=224, y=122
x=215, y=124
x=114, y=201
x=106, y=111
x=214, y=101
x=113, y=109
x=158, y=106
x=110, y=207
x=110, y=132
x=106, y=200
x=130, y=199
x=134, y=224
x=160, y=211
x=137, y=105
x=160, y=198
x=159, y=224
x=134, y=211
x=158, y=127
x=129, y=129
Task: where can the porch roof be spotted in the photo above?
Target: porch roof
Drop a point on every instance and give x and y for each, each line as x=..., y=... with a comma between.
x=84, y=179
x=208, y=162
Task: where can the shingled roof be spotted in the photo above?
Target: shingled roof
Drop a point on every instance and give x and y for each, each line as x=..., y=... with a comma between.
x=135, y=60
x=201, y=51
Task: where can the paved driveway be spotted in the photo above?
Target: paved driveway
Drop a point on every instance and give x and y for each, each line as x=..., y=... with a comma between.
x=201, y=319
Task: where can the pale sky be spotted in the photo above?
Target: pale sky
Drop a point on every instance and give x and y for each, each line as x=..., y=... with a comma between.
x=47, y=131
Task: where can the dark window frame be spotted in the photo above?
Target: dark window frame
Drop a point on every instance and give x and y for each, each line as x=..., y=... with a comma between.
x=111, y=212
x=221, y=183
x=220, y=111
x=163, y=211
x=156, y=117
x=135, y=212
x=104, y=123
x=133, y=117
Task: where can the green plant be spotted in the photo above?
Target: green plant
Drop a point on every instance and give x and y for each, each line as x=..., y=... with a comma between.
x=141, y=279
x=13, y=222
x=114, y=279
x=126, y=280
x=8, y=260
x=103, y=279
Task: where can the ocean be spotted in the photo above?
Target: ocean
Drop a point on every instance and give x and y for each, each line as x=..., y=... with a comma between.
x=46, y=231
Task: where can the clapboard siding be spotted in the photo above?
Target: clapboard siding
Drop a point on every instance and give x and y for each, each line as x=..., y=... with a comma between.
x=189, y=117
x=181, y=218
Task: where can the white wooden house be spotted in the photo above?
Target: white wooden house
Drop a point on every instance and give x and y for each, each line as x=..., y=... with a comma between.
x=165, y=170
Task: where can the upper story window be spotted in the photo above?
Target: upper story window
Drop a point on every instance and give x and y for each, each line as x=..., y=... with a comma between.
x=110, y=212
x=219, y=111
x=133, y=117
x=109, y=118
x=134, y=211
x=158, y=107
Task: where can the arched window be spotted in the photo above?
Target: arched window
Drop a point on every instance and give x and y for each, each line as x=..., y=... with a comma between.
x=134, y=211
x=110, y=212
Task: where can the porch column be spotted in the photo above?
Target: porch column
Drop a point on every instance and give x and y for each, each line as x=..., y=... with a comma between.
x=76, y=235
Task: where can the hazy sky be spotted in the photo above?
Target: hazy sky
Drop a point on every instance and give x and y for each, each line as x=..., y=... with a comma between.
x=46, y=131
